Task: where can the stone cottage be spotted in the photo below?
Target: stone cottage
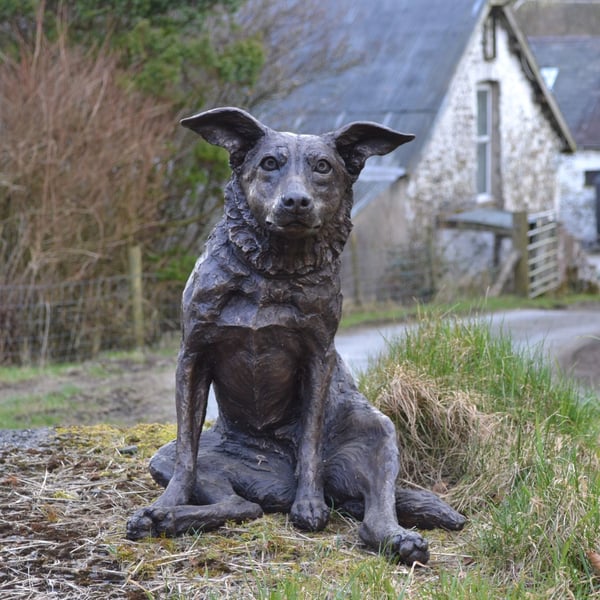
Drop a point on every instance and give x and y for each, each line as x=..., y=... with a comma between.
x=571, y=66
x=460, y=76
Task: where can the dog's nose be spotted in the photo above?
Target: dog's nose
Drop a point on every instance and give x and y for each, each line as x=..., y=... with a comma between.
x=297, y=202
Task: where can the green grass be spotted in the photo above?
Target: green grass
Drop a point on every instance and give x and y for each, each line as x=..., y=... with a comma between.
x=25, y=373
x=38, y=410
x=466, y=355
x=518, y=448
x=95, y=368
x=371, y=578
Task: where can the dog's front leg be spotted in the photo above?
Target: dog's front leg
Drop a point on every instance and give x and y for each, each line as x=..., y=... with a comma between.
x=191, y=397
x=192, y=385
x=309, y=510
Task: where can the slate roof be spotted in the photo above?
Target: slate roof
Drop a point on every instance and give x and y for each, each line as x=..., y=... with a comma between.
x=577, y=85
x=408, y=50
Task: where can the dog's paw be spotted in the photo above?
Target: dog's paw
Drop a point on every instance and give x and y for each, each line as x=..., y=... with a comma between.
x=452, y=520
x=311, y=514
x=407, y=547
x=150, y=522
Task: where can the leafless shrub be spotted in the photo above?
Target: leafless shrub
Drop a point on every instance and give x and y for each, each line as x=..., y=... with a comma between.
x=80, y=158
x=303, y=43
x=81, y=167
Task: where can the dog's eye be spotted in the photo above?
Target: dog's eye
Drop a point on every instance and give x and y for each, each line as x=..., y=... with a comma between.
x=322, y=166
x=269, y=163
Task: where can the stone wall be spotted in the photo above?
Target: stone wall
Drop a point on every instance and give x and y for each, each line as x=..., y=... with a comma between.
x=578, y=202
x=529, y=146
x=442, y=180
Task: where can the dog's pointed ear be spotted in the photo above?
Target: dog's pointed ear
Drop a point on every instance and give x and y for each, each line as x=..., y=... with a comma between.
x=358, y=141
x=228, y=127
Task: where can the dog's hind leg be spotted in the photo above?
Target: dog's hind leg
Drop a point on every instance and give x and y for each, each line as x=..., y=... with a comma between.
x=425, y=510
x=361, y=463
x=214, y=503
x=414, y=508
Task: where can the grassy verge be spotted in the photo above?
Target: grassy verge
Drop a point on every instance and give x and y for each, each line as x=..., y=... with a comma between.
x=17, y=374
x=97, y=368
x=111, y=388
x=38, y=410
x=512, y=445
x=368, y=315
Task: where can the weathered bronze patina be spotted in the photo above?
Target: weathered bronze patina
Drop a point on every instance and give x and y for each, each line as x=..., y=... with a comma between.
x=260, y=311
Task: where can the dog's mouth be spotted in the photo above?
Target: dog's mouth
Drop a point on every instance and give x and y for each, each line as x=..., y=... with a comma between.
x=293, y=228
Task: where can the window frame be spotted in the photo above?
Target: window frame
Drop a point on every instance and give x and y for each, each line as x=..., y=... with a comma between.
x=484, y=140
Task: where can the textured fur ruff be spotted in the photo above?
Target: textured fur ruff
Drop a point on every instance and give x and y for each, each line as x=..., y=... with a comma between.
x=277, y=256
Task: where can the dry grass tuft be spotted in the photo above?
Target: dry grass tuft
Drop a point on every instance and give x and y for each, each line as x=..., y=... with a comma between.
x=447, y=442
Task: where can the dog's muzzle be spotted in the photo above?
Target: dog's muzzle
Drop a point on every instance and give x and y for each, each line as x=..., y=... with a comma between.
x=297, y=203
x=294, y=216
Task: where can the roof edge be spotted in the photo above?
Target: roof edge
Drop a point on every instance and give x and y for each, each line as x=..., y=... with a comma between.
x=557, y=116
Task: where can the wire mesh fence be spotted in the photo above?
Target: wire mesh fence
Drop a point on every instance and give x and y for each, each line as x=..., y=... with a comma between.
x=76, y=320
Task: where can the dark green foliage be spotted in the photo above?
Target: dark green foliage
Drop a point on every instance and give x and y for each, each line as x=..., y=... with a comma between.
x=173, y=266
x=168, y=47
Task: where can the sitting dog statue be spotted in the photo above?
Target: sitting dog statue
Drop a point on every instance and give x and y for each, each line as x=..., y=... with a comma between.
x=259, y=315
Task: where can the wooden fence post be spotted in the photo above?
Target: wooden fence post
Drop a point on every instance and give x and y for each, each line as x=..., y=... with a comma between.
x=520, y=243
x=135, y=281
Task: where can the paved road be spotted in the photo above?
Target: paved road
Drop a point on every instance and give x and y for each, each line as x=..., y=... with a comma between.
x=571, y=338
x=558, y=333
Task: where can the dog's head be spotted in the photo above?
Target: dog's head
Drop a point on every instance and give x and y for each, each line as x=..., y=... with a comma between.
x=295, y=185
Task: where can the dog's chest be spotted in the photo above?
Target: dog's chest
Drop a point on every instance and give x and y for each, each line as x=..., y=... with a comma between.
x=266, y=303
x=260, y=345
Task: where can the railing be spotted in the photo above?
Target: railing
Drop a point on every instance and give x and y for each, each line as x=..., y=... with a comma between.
x=534, y=257
x=535, y=238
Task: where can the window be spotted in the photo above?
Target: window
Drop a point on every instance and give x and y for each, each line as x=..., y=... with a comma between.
x=591, y=177
x=484, y=142
x=549, y=75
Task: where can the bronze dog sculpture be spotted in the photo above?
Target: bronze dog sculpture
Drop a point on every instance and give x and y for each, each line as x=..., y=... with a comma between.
x=260, y=311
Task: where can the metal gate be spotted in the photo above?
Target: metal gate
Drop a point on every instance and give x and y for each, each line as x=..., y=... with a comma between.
x=542, y=253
